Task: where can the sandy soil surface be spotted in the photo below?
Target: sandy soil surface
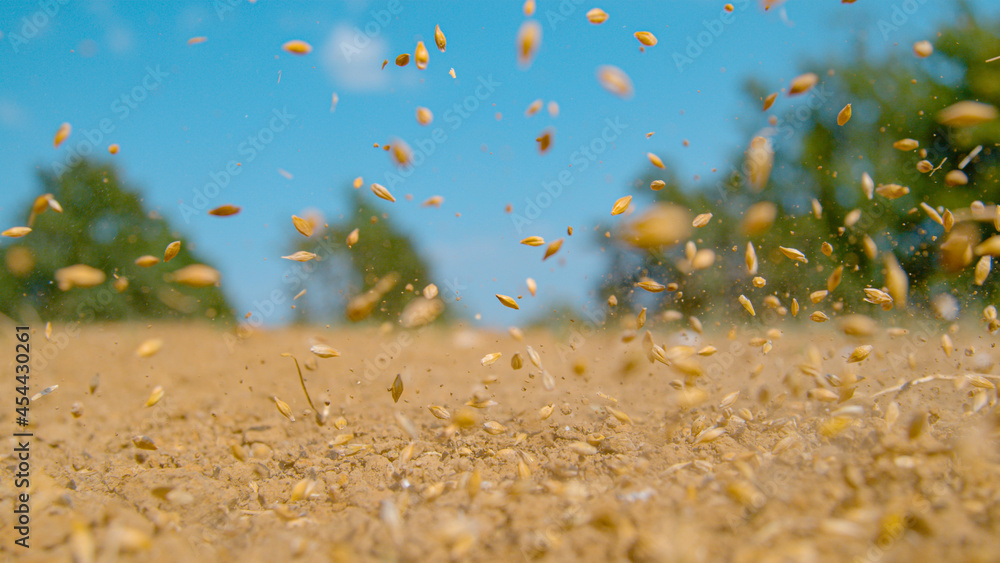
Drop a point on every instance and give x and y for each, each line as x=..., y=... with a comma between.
x=814, y=460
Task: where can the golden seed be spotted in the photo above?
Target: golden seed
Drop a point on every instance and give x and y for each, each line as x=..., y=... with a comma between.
x=947, y=220
x=923, y=49
x=640, y=319
x=545, y=412
x=16, y=232
x=794, y=254
x=758, y=282
x=751, y=259
x=529, y=39
x=225, y=210
x=300, y=256
x=421, y=56
x=154, y=396
x=826, y=248
x=529, y=8
x=544, y=141
x=490, y=359
x=532, y=286
x=709, y=435
x=430, y=291
x=536, y=360
x=834, y=280
x=516, y=362
x=120, y=284
x=297, y=47
x=621, y=205
x=62, y=134
x=283, y=408
x=533, y=241
x=795, y=307
x=896, y=281
x=439, y=412
x=859, y=354
x=533, y=107
x=701, y=220
x=655, y=160
x=707, y=351
x=802, y=83
x=650, y=285
x=619, y=415
x=324, y=351
x=79, y=275
x=892, y=191
x=867, y=185
x=966, y=113
x=657, y=185
x=932, y=213
x=302, y=490
x=553, y=109
x=868, y=245
x=403, y=60
x=516, y=333
x=380, y=191
x=352, y=238
x=171, y=251
x=819, y=295
x=844, y=116
x=990, y=246
x=983, y=269
x=747, y=305
x=614, y=80
x=924, y=166
x=553, y=247
x=143, y=442
x=147, y=261
x=759, y=160
x=451, y=71
x=434, y=200
x=769, y=100
x=596, y=16
x=424, y=116
x=646, y=38
x=955, y=178
x=817, y=208
x=439, y=38
x=149, y=348
x=819, y=316
x=947, y=345
x=507, y=301
x=397, y=388
x=612, y=301
x=695, y=324
x=494, y=428
x=906, y=144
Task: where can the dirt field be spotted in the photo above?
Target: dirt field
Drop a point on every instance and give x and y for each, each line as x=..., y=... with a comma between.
x=637, y=460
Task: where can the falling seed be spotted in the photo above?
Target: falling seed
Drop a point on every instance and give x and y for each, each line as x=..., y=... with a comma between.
x=906, y=144
x=358, y=182
x=867, y=185
x=819, y=316
x=430, y=292
x=657, y=185
x=751, y=259
x=401, y=153
x=553, y=247
x=421, y=56
x=640, y=320
x=301, y=256
x=859, y=354
x=532, y=286
x=614, y=80
x=324, y=351
x=545, y=412
x=596, y=16
x=924, y=166
x=651, y=286
x=529, y=39
x=334, y=99
x=80, y=275
x=932, y=213
x=380, y=191
x=529, y=8
x=747, y=305
x=544, y=141
x=612, y=301
x=439, y=38
x=16, y=232
x=983, y=269
x=171, y=251
x=154, y=396
x=621, y=205
x=758, y=282
x=397, y=388
x=62, y=134
x=817, y=208
x=195, y=275
x=403, y=60
x=299, y=294
x=646, y=38
x=297, y=47
x=143, y=442
x=946, y=345
x=494, y=428
x=759, y=161
x=533, y=241
x=147, y=261
x=769, y=100
x=303, y=226
x=149, y=348
x=113, y=148
x=892, y=191
x=196, y=40
x=424, y=116
x=802, y=83
x=923, y=49
x=283, y=408
x=434, y=200
x=966, y=113
x=947, y=220
x=352, y=238
x=225, y=210
x=553, y=109
x=439, y=412
x=655, y=160
x=533, y=107
x=701, y=220
x=834, y=280
x=844, y=116
x=452, y=72
x=955, y=178
x=490, y=359
x=507, y=301
x=794, y=254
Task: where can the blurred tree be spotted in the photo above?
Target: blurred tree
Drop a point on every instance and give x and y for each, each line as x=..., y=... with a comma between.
x=381, y=250
x=102, y=225
x=816, y=159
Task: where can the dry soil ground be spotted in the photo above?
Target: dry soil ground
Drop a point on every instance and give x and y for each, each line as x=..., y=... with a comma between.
x=808, y=463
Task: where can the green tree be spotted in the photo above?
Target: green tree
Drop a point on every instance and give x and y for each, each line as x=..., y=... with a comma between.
x=102, y=225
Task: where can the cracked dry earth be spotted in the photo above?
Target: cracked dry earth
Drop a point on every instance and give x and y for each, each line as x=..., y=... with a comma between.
x=814, y=460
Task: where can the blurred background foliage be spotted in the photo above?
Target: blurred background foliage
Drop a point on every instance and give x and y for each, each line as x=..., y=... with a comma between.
x=815, y=158
x=103, y=225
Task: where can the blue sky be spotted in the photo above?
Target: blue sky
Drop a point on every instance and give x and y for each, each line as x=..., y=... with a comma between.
x=183, y=114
